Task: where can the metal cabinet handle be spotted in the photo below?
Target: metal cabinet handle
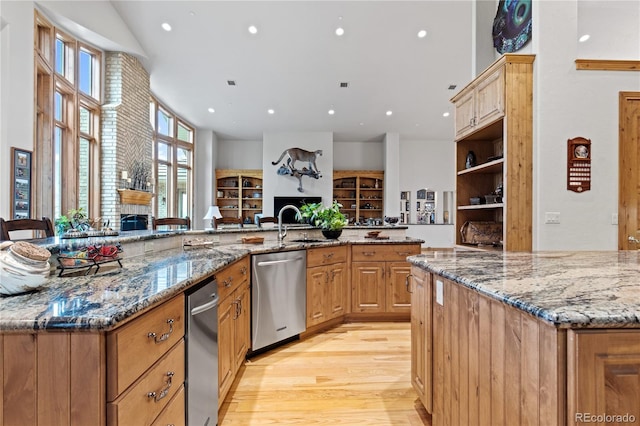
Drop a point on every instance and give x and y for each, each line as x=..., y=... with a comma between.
x=326, y=277
x=236, y=314
x=227, y=282
x=163, y=336
x=243, y=270
x=406, y=283
x=369, y=253
x=403, y=253
x=157, y=396
x=328, y=256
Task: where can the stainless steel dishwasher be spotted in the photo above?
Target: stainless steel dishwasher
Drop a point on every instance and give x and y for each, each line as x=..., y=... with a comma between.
x=202, y=354
x=278, y=297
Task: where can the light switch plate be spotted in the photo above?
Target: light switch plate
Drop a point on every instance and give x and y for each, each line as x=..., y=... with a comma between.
x=439, y=292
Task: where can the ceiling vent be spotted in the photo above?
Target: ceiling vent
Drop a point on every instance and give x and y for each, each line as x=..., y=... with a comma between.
x=452, y=87
x=231, y=82
x=344, y=84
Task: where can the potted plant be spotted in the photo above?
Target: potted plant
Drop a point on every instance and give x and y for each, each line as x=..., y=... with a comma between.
x=329, y=219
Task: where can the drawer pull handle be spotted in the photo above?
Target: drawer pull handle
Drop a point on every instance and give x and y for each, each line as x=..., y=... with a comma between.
x=369, y=253
x=328, y=256
x=406, y=283
x=243, y=270
x=163, y=336
x=163, y=392
x=403, y=253
x=227, y=282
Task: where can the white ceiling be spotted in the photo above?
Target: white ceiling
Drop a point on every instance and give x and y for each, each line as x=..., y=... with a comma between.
x=295, y=62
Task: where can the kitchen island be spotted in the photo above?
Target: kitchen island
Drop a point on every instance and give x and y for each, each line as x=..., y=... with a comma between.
x=548, y=338
x=108, y=349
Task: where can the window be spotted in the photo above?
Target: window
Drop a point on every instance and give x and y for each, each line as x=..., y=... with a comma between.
x=173, y=163
x=67, y=140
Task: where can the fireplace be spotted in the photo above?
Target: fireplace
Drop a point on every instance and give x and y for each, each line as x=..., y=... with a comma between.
x=134, y=222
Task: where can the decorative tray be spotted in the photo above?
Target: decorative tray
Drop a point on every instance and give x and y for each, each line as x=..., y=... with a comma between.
x=88, y=257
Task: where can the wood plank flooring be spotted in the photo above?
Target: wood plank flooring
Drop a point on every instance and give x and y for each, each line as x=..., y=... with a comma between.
x=353, y=374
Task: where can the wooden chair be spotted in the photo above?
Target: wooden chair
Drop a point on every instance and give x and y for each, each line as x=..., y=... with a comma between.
x=178, y=222
x=228, y=221
x=44, y=225
x=267, y=219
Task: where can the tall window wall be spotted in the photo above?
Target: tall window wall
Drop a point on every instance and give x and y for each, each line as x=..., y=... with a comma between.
x=173, y=162
x=68, y=78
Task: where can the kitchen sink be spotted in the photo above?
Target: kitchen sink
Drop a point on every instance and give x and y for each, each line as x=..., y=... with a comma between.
x=307, y=240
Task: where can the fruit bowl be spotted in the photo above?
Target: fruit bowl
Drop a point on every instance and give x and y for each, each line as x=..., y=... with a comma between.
x=391, y=220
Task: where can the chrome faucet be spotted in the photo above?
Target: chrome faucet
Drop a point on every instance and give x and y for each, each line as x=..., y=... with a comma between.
x=281, y=233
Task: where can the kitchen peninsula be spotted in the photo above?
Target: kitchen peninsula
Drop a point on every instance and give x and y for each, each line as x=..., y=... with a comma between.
x=108, y=349
x=548, y=338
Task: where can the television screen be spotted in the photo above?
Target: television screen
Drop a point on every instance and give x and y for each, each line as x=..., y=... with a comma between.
x=289, y=215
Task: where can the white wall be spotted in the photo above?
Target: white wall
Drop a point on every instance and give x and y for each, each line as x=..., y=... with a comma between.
x=570, y=103
x=206, y=146
x=235, y=154
x=17, y=88
x=277, y=185
x=358, y=156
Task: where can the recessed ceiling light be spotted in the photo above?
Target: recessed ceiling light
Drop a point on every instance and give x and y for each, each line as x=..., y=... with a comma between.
x=166, y=26
x=339, y=31
x=271, y=111
x=253, y=29
x=192, y=13
x=389, y=112
x=422, y=33
x=362, y=124
x=331, y=112
x=446, y=114
x=584, y=38
x=211, y=110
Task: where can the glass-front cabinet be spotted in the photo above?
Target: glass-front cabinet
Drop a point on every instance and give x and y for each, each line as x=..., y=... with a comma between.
x=361, y=194
x=239, y=193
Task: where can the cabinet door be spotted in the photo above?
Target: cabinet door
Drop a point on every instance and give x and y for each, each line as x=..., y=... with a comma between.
x=489, y=102
x=465, y=112
x=226, y=312
x=398, y=298
x=368, y=287
x=317, y=295
x=604, y=377
x=242, y=324
x=338, y=289
x=421, y=336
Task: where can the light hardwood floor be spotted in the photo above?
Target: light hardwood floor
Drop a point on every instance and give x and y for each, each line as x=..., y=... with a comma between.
x=353, y=374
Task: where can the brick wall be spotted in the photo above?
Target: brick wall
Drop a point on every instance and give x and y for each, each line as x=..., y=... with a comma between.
x=126, y=131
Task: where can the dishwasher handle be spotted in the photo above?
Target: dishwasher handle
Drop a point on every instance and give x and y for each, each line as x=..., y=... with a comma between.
x=275, y=262
x=207, y=306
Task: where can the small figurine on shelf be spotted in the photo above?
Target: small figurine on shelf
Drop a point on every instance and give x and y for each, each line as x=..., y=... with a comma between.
x=471, y=160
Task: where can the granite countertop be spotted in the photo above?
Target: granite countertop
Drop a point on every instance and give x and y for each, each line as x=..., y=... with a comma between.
x=568, y=289
x=102, y=301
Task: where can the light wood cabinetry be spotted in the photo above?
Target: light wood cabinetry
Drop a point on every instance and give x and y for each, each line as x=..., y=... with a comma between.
x=494, y=120
x=145, y=364
x=493, y=364
x=233, y=323
x=421, y=337
x=378, y=278
x=327, y=284
x=239, y=193
x=360, y=192
x=604, y=376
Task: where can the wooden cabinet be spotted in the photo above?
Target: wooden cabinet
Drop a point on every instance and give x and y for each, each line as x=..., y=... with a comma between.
x=233, y=323
x=494, y=120
x=378, y=278
x=327, y=284
x=239, y=193
x=421, y=337
x=145, y=364
x=492, y=363
x=603, y=376
x=360, y=192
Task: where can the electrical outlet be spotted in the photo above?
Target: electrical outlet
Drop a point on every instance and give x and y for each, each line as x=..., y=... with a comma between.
x=614, y=218
x=552, y=217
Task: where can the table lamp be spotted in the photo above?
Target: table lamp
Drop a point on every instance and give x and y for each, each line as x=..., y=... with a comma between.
x=213, y=213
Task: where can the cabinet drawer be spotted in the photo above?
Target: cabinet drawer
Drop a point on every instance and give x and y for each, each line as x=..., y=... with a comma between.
x=326, y=255
x=174, y=412
x=144, y=401
x=383, y=252
x=232, y=276
x=134, y=347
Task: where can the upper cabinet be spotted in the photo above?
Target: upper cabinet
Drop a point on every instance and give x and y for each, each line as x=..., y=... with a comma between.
x=239, y=193
x=360, y=192
x=494, y=153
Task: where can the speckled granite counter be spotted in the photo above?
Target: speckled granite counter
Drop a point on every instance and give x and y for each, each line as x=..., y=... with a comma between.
x=569, y=289
x=102, y=301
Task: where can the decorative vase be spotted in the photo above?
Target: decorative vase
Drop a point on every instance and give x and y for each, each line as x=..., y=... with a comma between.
x=331, y=234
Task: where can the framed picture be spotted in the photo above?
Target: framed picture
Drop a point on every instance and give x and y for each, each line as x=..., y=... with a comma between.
x=21, y=165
